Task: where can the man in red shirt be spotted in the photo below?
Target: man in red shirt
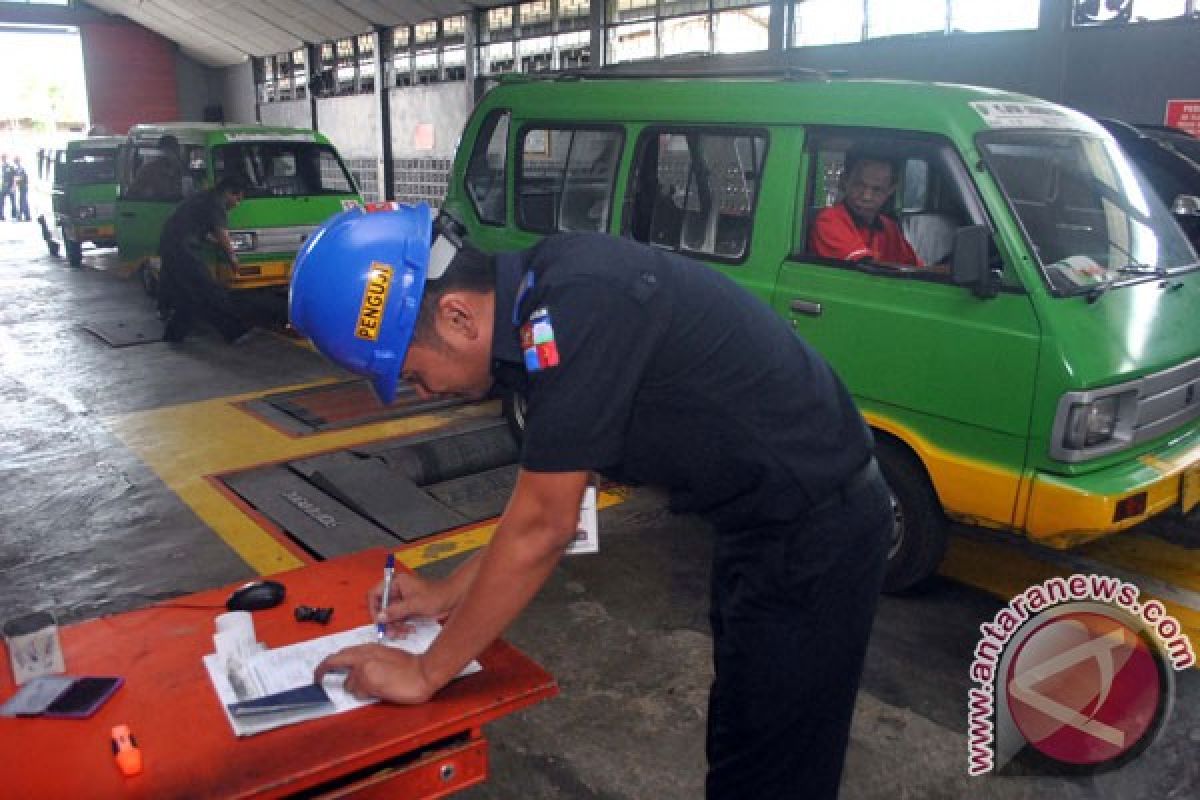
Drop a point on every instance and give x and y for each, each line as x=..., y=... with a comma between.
x=854, y=229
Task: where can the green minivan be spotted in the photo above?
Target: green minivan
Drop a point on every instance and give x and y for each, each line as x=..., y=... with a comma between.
x=1041, y=375
x=296, y=180
x=84, y=194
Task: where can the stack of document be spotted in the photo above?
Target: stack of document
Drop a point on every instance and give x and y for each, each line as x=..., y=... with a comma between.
x=275, y=687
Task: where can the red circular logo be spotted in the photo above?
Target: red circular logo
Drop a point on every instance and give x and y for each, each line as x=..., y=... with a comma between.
x=1085, y=688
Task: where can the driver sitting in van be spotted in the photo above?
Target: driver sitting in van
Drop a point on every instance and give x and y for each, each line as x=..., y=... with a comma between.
x=855, y=229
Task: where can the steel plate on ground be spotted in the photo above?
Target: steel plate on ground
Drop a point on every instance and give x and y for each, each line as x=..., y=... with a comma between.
x=126, y=332
x=480, y=496
x=317, y=522
x=338, y=405
x=371, y=488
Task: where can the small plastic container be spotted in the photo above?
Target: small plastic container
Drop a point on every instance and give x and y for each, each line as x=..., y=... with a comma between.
x=33, y=646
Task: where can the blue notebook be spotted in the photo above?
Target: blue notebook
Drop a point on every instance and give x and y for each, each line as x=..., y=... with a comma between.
x=309, y=697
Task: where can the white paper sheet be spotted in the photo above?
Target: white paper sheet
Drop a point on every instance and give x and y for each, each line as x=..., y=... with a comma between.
x=292, y=666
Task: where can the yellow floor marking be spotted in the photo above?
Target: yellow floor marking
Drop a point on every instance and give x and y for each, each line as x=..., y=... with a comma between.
x=477, y=536
x=185, y=443
x=1149, y=555
x=1005, y=572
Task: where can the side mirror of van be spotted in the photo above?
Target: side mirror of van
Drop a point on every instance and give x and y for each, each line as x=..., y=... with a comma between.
x=1186, y=205
x=970, y=265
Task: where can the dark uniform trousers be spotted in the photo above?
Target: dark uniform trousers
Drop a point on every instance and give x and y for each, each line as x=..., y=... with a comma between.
x=792, y=605
x=187, y=292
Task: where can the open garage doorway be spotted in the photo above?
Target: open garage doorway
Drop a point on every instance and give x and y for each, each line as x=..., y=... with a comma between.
x=43, y=103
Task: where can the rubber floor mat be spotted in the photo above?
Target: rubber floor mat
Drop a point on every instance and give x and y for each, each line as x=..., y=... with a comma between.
x=336, y=406
x=127, y=332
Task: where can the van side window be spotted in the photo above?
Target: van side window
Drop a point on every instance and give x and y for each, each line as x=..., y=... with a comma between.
x=565, y=180
x=884, y=201
x=695, y=191
x=157, y=175
x=485, y=179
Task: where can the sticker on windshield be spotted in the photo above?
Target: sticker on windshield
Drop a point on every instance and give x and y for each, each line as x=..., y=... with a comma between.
x=997, y=114
x=1081, y=270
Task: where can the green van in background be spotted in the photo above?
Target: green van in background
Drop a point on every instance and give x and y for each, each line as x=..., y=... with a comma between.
x=1042, y=378
x=295, y=179
x=84, y=194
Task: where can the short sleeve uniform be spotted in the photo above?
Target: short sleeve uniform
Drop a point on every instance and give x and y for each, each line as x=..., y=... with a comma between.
x=837, y=234
x=193, y=219
x=651, y=368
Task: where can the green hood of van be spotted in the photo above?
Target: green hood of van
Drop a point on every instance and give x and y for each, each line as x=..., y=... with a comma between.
x=1128, y=332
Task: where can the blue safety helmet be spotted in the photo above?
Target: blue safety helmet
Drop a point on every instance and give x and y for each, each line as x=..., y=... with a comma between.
x=357, y=285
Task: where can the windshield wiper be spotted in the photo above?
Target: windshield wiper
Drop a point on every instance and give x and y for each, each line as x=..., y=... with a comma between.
x=1142, y=269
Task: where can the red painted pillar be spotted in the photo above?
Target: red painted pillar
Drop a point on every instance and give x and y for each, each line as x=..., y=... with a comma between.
x=130, y=75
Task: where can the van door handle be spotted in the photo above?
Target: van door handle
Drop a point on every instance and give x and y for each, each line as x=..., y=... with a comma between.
x=128, y=214
x=806, y=307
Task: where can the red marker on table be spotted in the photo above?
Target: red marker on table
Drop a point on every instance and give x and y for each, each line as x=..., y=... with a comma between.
x=125, y=751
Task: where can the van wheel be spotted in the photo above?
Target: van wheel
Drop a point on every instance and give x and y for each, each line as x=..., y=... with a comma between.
x=74, y=252
x=514, y=405
x=919, y=526
x=149, y=280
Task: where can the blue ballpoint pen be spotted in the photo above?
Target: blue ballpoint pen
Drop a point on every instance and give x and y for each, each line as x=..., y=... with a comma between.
x=388, y=568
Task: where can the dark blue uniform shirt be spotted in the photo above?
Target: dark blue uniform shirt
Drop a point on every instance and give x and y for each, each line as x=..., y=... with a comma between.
x=648, y=367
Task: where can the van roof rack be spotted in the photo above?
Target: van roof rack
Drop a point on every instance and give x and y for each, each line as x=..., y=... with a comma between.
x=784, y=73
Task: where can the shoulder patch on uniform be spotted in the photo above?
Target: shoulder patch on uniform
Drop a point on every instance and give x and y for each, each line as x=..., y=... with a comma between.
x=537, y=342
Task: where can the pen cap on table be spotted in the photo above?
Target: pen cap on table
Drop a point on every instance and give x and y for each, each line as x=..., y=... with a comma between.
x=33, y=646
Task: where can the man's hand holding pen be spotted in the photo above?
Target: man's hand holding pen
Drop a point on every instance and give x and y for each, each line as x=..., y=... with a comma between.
x=375, y=670
x=409, y=596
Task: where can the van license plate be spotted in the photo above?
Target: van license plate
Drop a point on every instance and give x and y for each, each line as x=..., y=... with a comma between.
x=1189, y=491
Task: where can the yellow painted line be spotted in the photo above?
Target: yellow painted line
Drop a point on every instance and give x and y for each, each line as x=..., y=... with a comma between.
x=185, y=443
x=475, y=537
x=1151, y=556
x=1005, y=572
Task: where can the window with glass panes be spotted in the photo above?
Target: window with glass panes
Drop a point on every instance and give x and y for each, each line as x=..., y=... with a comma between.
x=819, y=22
x=534, y=36
x=344, y=66
x=636, y=30
x=402, y=60
x=1088, y=13
x=365, y=44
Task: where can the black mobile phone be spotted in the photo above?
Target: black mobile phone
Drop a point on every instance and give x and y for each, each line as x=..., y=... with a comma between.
x=83, y=697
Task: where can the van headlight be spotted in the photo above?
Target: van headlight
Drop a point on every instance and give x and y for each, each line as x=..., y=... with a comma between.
x=243, y=240
x=1090, y=424
x=85, y=212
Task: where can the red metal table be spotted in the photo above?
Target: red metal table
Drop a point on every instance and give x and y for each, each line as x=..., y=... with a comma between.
x=189, y=750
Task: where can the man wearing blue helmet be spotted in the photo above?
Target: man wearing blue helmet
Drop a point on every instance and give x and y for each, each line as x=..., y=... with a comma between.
x=646, y=367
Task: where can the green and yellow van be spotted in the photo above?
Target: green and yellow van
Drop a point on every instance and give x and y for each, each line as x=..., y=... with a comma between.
x=84, y=194
x=296, y=181
x=1041, y=375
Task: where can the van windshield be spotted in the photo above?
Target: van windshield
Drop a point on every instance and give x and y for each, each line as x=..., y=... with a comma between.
x=283, y=169
x=92, y=166
x=1092, y=219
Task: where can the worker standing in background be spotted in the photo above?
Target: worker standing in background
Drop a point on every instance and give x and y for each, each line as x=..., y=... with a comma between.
x=187, y=289
x=6, y=187
x=20, y=191
x=649, y=368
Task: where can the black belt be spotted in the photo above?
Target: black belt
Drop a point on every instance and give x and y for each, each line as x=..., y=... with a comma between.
x=857, y=481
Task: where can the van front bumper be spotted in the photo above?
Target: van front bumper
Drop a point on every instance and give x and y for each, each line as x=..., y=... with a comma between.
x=1064, y=511
x=88, y=232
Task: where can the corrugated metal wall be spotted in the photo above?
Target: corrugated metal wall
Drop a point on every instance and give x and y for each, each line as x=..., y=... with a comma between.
x=130, y=75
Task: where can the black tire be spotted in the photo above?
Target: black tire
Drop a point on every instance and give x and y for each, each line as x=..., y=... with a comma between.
x=74, y=252
x=919, y=535
x=514, y=405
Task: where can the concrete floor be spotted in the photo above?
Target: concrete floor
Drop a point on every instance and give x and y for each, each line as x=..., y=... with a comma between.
x=103, y=507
